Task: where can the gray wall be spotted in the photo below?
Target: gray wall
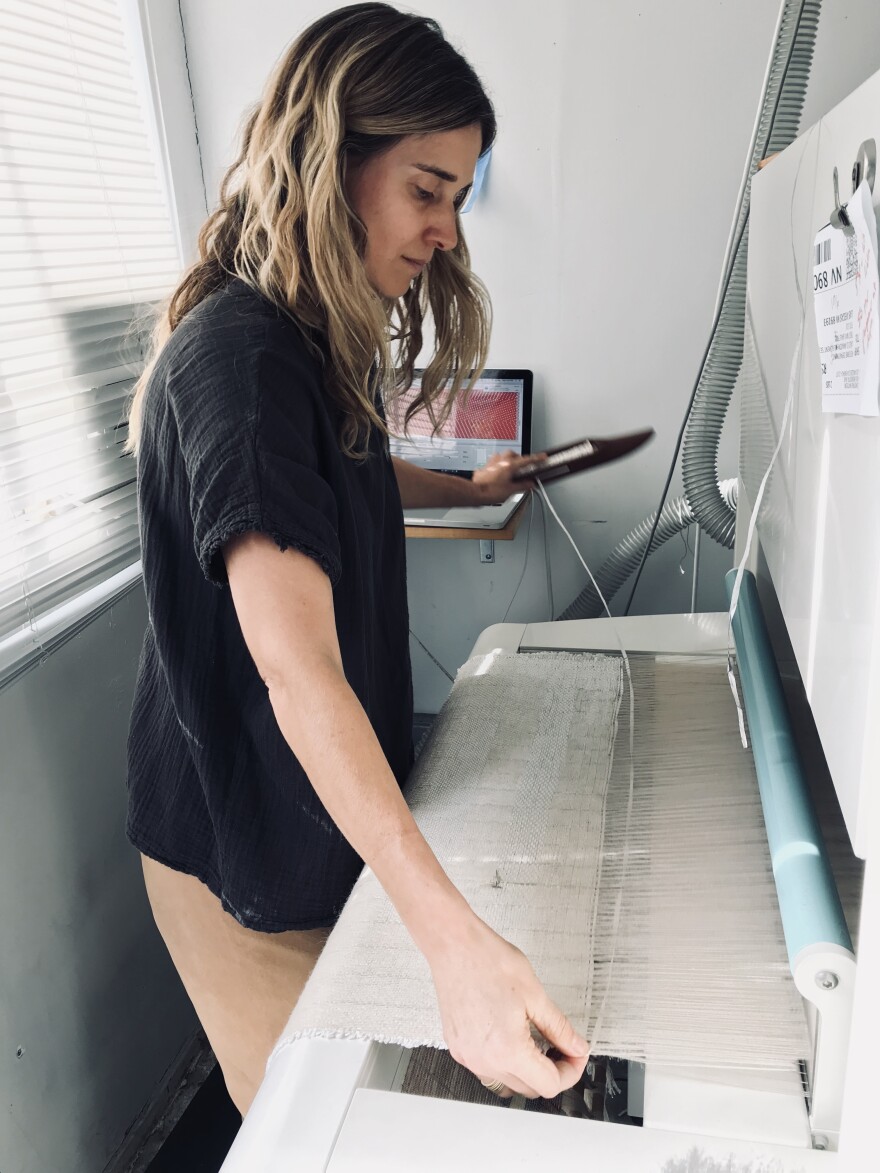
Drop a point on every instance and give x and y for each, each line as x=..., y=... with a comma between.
x=86, y=989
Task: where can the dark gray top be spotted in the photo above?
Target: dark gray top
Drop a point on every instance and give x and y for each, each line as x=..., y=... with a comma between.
x=238, y=435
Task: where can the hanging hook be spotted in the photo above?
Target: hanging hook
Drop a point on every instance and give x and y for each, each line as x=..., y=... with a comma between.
x=838, y=217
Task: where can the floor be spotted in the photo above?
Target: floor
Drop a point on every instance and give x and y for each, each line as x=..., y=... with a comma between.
x=203, y=1135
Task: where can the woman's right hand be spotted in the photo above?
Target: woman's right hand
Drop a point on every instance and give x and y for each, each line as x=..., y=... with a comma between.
x=490, y=999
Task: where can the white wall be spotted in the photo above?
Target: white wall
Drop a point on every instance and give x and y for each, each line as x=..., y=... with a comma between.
x=623, y=133
x=91, y=1011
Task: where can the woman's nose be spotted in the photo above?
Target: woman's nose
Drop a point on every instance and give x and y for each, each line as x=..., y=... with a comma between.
x=443, y=233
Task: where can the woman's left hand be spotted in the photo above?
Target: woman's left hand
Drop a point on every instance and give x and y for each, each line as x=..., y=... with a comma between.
x=494, y=480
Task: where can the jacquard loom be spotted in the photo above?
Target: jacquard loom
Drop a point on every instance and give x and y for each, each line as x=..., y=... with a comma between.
x=681, y=897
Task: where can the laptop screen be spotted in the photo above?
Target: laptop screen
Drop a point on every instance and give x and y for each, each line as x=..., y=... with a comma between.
x=494, y=417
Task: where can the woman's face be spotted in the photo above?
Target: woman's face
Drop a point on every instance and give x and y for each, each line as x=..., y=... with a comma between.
x=407, y=198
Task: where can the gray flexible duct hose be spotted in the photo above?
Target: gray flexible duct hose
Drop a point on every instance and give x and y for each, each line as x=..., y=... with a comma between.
x=624, y=558
x=706, y=501
x=777, y=126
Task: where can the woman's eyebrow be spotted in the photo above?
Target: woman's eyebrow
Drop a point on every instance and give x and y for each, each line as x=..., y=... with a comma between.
x=438, y=171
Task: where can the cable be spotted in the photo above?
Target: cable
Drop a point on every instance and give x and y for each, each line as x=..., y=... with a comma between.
x=631, y=795
x=685, y=536
x=548, y=567
x=431, y=656
x=730, y=261
x=525, y=558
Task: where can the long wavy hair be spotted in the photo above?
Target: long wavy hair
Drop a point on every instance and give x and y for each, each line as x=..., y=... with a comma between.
x=352, y=85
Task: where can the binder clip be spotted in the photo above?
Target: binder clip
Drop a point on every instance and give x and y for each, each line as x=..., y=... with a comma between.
x=864, y=167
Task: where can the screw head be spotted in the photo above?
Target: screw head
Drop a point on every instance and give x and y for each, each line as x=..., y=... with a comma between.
x=826, y=980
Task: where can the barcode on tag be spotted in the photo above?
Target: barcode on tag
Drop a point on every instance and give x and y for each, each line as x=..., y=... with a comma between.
x=823, y=252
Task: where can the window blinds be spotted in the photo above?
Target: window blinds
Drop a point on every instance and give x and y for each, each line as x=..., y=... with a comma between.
x=87, y=243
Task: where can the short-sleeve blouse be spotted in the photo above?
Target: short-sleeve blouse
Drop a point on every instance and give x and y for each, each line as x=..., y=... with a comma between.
x=238, y=435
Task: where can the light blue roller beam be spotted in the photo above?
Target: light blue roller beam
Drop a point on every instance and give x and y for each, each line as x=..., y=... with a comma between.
x=808, y=898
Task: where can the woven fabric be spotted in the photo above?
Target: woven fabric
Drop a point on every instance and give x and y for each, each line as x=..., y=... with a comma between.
x=509, y=792
x=637, y=881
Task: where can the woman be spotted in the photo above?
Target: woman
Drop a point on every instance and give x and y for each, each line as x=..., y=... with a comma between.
x=270, y=732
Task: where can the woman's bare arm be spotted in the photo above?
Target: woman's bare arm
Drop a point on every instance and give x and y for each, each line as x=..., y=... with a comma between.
x=487, y=991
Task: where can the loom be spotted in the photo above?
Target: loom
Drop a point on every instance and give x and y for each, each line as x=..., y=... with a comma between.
x=806, y=625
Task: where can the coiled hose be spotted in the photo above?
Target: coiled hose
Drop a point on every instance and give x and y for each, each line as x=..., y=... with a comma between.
x=708, y=501
x=616, y=569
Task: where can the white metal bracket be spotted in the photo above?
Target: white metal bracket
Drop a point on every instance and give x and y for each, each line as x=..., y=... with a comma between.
x=825, y=975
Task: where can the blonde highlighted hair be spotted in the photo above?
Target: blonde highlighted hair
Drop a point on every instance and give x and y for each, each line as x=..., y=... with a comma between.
x=352, y=85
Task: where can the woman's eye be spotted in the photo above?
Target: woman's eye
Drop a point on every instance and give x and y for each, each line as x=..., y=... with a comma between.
x=422, y=194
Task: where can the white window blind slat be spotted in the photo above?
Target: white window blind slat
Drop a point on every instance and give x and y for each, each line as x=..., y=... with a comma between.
x=130, y=209
x=87, y=473
x=68, y=102
x=49, y=484
x=31, y=105
x=43, y=278
x=67, y=521
x=34, y=405
x=66, y=526
x=78, y=83
x=142, y=288
x=112, y=321
x=28, y=51
x=54, y=433
x=70, y=518
x=63, y=395
x=71, y=25
x=24, y=312
x=90, y=235
x=84, y=356
x=71, y=13
x=75, y=380
x=54, y=135
x=25, y=149
x=83, y=439
x=86, y=250
x=64, y=179
x=71, y=530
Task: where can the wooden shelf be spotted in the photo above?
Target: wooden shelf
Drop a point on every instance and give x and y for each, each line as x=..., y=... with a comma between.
x=483, y=535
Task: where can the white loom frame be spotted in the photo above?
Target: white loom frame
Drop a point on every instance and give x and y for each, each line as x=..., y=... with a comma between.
x=830, y=1028
x=333, y=1104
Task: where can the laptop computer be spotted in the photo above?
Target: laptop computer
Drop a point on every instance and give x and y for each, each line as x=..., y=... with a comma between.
x=495, y=417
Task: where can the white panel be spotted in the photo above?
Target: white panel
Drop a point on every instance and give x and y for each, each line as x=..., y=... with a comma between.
x=701, y=634
x=819, y=526
x=302, y=1102
x=760, y=1106
x=385, y=1133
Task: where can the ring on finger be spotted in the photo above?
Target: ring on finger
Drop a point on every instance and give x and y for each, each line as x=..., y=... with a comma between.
x=496, y=1086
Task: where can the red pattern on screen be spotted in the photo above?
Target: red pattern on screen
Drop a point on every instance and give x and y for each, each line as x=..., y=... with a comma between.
x=486, y=415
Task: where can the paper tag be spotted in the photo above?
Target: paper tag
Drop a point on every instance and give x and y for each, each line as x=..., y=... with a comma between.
x=845, y=288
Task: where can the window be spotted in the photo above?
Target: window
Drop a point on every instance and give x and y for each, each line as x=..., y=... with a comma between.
x=87, y=243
